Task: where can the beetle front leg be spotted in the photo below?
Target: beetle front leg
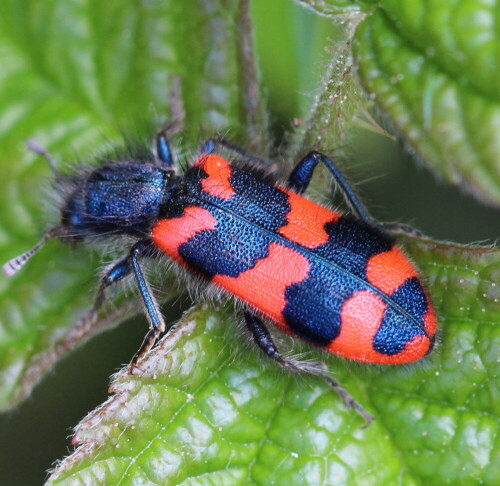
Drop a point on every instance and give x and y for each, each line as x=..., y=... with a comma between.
x=153, y=314
x=263, y=339
x=86, y=324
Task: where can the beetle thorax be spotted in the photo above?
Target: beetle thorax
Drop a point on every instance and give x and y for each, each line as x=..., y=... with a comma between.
x=118, y=198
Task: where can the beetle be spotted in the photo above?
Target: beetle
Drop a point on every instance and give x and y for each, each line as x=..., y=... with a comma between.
x=338, y=282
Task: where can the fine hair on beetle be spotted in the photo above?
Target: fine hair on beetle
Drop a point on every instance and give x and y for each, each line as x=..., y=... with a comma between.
x=231, y=228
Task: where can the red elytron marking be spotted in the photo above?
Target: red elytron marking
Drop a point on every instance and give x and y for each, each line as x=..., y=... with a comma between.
x=264, y=285
x=414, y=350
x=169, y=234
x=361, y=316
x=387, y=271
x=306, y=221
x=430, y=320
x=219, y=171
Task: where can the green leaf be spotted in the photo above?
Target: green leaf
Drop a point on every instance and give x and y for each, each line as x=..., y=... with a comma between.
x=206, y=410
x=432, y=89
x=432, y=68
x=333, y=7
x=74, y=88
x=209, y=409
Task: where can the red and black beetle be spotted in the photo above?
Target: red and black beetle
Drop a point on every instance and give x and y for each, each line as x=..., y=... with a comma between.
x=335, y=281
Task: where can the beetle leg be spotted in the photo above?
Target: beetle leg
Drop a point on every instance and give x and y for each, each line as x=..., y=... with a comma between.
x=347, y=399
x=263, y=339
x=156, y=322
x=162, y=148
x=163, y=151
x=401, y=228
x=84, y=326
x=301, y=176
x=120, y=270
x=211, y=144
x=262, y=336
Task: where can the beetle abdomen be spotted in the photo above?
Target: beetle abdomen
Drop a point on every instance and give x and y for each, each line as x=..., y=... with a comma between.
x=312, y=271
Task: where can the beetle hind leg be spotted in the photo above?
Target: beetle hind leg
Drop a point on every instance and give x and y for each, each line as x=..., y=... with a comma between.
x=263, y=339
x=347, y=398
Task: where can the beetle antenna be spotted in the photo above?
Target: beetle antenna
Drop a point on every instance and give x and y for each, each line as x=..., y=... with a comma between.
x=14, y=265
x=39, y=149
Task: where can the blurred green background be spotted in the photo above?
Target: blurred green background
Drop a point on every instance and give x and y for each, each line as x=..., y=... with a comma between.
x=292, y=45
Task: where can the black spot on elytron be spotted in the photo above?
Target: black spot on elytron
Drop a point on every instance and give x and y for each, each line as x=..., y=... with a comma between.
x=238, y=241
x=411, y=297
x=257, y=201
x=350, y=245
x=313, y=306
x=230, y=249
x=396, y=329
